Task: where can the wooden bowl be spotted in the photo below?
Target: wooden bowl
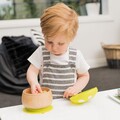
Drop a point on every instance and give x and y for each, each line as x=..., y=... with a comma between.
x=36, y=101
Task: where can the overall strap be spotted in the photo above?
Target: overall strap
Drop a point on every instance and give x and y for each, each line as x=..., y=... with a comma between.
x=72, y=56
x=46, y=56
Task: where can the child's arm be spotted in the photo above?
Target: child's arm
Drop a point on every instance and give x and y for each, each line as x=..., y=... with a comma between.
x=82, y=81
x=32, y=78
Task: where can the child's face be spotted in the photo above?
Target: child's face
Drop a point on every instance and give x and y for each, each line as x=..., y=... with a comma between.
x=57, y=45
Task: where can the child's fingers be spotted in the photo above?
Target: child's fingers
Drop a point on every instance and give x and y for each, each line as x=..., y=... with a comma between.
x=39, y=89
x=69, y=92
x=33, y=91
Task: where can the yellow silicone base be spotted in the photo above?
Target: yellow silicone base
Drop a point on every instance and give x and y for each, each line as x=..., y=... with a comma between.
x=38, y=111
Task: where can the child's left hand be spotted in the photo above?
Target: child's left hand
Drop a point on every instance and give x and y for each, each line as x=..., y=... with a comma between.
x=73, y=90
x=82, y=80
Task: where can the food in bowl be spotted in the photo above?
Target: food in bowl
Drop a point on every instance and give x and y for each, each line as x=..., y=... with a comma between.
x=37, y=101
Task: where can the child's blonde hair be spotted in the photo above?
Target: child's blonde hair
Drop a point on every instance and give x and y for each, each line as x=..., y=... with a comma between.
x=59, y=19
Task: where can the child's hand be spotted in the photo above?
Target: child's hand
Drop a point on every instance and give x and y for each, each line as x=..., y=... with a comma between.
x=73, y=90
x=36, y=89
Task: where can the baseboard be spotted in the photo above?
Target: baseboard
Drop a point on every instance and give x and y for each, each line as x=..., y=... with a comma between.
x=98, y=62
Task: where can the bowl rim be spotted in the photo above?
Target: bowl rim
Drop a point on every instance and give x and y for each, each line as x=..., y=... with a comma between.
x=25, y=93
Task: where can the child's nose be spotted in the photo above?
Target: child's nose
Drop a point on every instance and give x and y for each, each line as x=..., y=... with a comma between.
x=54, y=47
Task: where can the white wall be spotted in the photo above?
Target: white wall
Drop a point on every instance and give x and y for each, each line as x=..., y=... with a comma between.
x=92, y=32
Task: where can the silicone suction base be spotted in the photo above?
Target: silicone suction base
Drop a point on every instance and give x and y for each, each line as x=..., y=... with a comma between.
x=37, y=111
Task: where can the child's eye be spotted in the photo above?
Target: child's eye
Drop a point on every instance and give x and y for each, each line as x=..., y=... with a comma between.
x=61, y=44
x=49, y=42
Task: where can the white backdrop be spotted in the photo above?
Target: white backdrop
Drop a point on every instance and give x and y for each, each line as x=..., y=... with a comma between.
x=91, y=33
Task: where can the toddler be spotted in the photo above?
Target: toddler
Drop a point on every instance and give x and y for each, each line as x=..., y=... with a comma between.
x=61, y=68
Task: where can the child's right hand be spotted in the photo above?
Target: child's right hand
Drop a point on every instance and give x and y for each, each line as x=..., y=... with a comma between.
x=36, y=89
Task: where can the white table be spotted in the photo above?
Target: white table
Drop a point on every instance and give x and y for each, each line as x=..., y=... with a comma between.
x=101, y=107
